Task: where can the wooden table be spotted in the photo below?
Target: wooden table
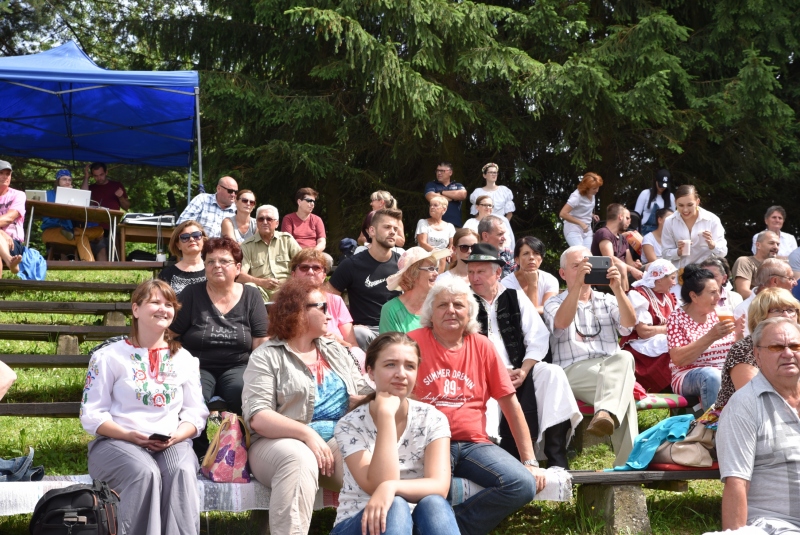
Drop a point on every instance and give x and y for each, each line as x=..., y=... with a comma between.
x=144, y=234
x=75, y=213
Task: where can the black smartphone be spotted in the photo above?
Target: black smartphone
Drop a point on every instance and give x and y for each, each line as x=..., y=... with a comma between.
x=599, y=274
x=159, y=437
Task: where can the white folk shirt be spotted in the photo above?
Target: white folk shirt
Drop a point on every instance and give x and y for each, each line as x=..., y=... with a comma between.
x=536, y=335
x=675, y=230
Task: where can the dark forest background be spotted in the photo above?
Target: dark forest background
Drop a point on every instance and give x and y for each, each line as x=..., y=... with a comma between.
x=351, y=96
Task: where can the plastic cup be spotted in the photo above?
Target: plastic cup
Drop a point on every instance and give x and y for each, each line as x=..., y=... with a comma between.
x=687, y=247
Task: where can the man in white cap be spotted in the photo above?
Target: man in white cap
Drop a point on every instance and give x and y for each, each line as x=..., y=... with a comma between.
x=12, y=215
x=511, y=322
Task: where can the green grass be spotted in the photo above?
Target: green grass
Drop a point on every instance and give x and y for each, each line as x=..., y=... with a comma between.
x=60, y=444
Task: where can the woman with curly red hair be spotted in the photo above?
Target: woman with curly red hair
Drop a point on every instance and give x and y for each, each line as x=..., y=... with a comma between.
x=296, y=387
x=578, y=214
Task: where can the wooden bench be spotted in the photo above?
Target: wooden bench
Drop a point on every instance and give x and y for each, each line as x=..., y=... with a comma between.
x=64, y=307
x=53, y=332
x=618, y=499
x=674, y=402
x=78, y=265
x=65, y=286
x=45, y=361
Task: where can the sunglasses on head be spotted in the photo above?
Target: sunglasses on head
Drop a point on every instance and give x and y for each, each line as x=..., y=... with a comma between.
x=196, y=235
x=231, y=191
x=323, y=306
x=265, y=218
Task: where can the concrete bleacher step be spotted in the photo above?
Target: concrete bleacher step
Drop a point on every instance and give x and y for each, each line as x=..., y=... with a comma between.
x=52, y=332
x=45, y=361
x=65, y=286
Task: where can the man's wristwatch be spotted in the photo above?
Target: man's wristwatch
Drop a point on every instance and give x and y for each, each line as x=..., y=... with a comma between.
x=531, y=462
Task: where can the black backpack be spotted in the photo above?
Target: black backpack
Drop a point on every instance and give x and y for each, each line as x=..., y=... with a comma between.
x=77, y=510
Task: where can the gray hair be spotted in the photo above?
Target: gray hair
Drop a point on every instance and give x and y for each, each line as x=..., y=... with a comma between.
x=763, y=235
x=269, y=209
x=776, y=208
x=453, y=286
x=487, y=224
x=570, y=250
x=771, y=267
x=758, y=332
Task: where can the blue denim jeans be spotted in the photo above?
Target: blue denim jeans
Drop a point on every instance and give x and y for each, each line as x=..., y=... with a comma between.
x=703, y=382
x=507, y=485
x=431, y=516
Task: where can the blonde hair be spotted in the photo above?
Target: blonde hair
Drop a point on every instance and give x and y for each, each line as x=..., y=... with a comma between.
x=383, y=195
x=767, y=299
x=441, y=199
x=486, y=167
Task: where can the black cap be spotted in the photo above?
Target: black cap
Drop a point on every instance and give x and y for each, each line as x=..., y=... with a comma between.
x=662, y=178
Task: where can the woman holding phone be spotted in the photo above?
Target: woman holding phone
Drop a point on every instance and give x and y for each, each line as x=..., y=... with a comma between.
x=143, y=403
x=396, y=452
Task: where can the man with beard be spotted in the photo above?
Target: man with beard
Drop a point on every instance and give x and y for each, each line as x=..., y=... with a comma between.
x=364, y=275
x=607, y=241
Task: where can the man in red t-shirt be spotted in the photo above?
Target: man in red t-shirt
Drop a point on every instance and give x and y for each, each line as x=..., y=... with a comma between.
x=458, y=373
x=107, y=194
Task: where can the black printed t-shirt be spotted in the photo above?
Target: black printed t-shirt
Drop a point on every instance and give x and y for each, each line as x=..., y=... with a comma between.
x=219, y=341
x=179, y=279
x=364, y=278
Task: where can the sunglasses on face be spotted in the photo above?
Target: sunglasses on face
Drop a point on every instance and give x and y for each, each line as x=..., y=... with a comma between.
x=305, y=268
x=197, y=236
x=323, y=306
x=230, y=190
x=247, y=201
x=465, y=248
x=310, y=201
x=264, y=218
x=429, y=269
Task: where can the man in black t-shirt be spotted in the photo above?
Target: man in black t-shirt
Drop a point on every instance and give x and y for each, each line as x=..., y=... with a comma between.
x=364, y=275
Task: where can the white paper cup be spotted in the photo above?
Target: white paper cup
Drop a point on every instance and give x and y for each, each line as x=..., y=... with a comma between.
x=687, y=247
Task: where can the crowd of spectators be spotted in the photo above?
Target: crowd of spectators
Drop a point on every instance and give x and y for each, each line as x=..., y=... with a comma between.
x=496, y=354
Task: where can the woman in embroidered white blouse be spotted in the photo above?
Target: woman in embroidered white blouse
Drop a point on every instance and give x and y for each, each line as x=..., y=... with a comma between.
x=143, y=402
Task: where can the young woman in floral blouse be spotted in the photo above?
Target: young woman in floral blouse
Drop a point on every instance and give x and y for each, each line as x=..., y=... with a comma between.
x=143, y=402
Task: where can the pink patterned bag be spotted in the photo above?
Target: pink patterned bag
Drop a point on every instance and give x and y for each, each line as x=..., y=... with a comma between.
x=226, y=458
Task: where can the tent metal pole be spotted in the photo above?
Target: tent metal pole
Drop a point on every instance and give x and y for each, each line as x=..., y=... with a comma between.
x=199, y=140
x=189, y=186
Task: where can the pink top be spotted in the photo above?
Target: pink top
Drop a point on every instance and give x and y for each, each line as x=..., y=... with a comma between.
x=682, y=330
x=14, y=199
x=339, y=314
x=307, y=232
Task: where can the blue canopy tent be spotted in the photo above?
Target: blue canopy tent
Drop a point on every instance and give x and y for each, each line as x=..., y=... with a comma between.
x=59, y=105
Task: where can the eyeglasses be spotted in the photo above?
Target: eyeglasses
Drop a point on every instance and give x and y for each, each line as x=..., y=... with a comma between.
x=197, y=236
x=490, y=173
x=442, y=170
x=778, y=348
x=465, y=248
x=223, y=262
x=323, y=306
x=429, y=269
x=265, y=218
x=247, y=201
x=787, y=311
x=305, y=268
x=229, y=190
x=310, y=201
x=486, y=205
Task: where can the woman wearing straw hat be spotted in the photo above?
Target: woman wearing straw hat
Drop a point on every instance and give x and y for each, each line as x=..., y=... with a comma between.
x=416, y=276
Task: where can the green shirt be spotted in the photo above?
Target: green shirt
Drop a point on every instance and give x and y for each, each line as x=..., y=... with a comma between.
x=396, y=317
